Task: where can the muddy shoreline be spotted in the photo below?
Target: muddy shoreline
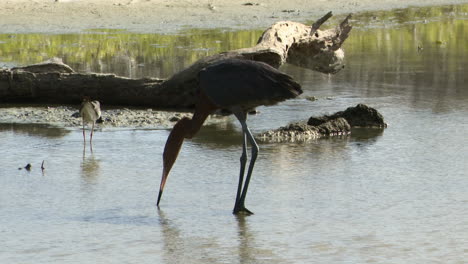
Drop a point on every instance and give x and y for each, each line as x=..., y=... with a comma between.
x=68, y=116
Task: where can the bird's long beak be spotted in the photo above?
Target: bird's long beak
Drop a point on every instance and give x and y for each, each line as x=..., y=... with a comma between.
x=161, y=187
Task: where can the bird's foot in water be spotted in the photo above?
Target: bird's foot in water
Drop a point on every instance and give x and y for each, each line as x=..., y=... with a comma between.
x=241, y=210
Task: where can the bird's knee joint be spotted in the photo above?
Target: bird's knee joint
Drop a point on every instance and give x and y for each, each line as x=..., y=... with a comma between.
x=255, y=152
x=243, y=158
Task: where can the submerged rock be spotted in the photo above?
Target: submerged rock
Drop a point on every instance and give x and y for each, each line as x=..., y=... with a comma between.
x=337, y=126
x=359, y=116
x=293, y=132
x=339, y=123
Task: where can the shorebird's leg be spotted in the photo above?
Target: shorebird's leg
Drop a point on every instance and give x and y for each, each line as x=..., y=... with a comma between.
x=84, y=135
x=91, y=135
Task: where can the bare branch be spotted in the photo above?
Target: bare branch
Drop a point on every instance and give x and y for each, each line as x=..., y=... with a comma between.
x=319, y=22
x=342, y=33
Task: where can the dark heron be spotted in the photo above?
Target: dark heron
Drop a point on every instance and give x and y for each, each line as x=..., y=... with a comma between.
x=237, y=86
x=90, y=112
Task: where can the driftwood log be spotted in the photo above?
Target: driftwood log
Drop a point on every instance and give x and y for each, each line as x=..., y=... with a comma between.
x=291, y=42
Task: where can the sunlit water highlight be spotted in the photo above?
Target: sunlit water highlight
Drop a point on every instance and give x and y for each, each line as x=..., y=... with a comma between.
x=392, y=196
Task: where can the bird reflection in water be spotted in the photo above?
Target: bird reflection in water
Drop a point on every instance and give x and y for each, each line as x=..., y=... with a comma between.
x=180, y=247
x=245, y=241
x=89, y=167
x=173, y=243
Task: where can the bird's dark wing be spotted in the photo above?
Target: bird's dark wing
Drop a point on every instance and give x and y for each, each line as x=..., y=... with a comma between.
x=245, y=83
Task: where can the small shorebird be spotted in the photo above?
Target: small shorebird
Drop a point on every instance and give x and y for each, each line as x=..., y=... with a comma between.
x=90, y=112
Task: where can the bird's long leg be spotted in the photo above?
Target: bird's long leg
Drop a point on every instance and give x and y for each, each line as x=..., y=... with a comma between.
x=243, y=161
x=240, y=204
x=253, y=158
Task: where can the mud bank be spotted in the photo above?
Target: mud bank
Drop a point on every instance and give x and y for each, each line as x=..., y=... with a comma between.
x=68, y=116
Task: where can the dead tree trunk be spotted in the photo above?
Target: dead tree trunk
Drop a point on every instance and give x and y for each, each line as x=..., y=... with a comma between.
x=295, y=43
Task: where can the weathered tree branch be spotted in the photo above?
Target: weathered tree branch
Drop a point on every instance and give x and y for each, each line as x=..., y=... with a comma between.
x=286, y=41
x=319, y=22
x=342, y=32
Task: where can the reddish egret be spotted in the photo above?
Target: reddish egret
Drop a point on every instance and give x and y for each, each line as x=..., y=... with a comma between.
x=90, y=112
x=237, y=86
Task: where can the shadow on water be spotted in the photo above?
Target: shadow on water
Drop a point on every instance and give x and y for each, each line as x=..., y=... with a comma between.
x=36, y=130
x=219, y=135
x=366, y=134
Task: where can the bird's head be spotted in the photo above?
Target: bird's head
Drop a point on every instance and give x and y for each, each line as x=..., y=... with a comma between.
x=86, y=98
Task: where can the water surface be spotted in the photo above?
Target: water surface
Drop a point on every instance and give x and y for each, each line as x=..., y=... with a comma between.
x=392, y=196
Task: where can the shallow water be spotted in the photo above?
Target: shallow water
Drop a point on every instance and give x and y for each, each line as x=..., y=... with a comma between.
x=392, y=196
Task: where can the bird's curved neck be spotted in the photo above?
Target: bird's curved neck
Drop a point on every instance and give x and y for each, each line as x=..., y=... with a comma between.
x=181, y=130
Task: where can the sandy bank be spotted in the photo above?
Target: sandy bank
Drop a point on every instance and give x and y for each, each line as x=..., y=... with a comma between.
x=167, y=16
